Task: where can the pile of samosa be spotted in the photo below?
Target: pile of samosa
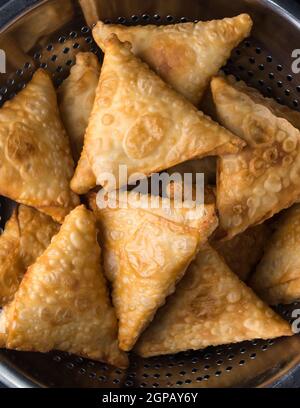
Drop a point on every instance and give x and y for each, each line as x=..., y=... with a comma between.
x=99, y=281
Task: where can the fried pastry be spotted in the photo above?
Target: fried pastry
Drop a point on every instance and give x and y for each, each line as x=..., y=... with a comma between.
x=185, y=55
x=140, y=122
x=211, y=306
x=63, y=301
x=263, y=178
x=145, y=254
x=84, y=178
x=27, y=234
x=277, y=277
x=76, y=97
x=36, y=162
x=243, y=252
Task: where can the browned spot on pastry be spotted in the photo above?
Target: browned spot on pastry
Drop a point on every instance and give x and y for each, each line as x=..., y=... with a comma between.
x=108, y=87
x=19, y=146
x=145, y=135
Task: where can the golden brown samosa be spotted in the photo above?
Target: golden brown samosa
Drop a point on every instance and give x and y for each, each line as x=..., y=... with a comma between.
x=26, y=235
x=210, y=307
x=185, y=55
x=36, y=162
x=76, y=97
x=63, y=301
x=145, y=253
x=140, y=122
x=264, y=177
x=277, y=277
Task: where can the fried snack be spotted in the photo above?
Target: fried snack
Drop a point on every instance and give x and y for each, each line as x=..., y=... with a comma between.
x=84, y=179
x=145, y=254
x=277, y=277
x=264, y=178
x=243, y=252
x=140, y=122
x=207, y=166
x=36, y=163
x=27, y=234
x=63, y=301
x=211, y=306
x=76, y=97
x=186, y=55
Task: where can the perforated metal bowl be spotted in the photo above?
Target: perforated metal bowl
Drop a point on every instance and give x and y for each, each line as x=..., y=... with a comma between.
x=49, y=34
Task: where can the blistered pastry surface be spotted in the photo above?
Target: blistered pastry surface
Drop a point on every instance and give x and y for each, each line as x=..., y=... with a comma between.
x=27, y=234
x=36, y=163
x=185, y=55
x=211, y=306
x=263, y=178
x=76, y=97
x=139, y=121
x=63, y=301
x=277, y=277
x=144, y=256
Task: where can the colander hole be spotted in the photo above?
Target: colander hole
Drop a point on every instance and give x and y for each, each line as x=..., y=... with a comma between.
x=279, y=68
x=219, y=362
x=62, y=39
x=128, y=383
x=261, y=67
x=27, y=65
x=269, y=58
x=92, y=375
x=271, y=75
x=134, y=18
x=247, y=44
x=76, y=46
x=295, y=103
x=43, y=65
x=252, y=60
x=170, y=19
x=194, y=370
x=218, y=373
x=230, y=356
x=54, y=58
x=207, y=356
x=241, y=362
x=188, y=381
x=157, y=17
x=279, y=84
x=182, y=373
x=73, y=34
x=145, y=17
x=89, y=40
x=289, y=77
x=143, y=385
x=155, y=385
x=131, y=375
x=261, y=82
x=264, y=347
x=82, y=371
x=49, y=47
x=66, y=50
x=253, y=356
x=258, y=50
x=269, y=89
x=57, y=359
x=199, y=379
x=195, y=360
x=168, y=375
x=69, y=62
x=183, y=20
x=70, y=366
x=116, y=381
x=229, y=368
x=102, y=378
x=59, y=69
x=206, y=377
x=85, y=30
x=242, y=350
x=250, y=73
x=207, y=367
x=121, y=20
x=118, y=371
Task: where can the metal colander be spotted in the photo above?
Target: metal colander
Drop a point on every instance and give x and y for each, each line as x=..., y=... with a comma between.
x=48, y=34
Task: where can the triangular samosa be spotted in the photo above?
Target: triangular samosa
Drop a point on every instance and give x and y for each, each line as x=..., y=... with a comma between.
x=139, y=122
x=63, y=301
x=145, y=253
x=36, y=162
x=264, y=177
x=76, y=97
x=185, y=55
x=210, y=307
x=277, y=277
x=26, y=235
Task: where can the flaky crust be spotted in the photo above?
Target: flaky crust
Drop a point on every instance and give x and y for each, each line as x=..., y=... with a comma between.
x=36, y=163
x=76, y=97
x=145, y=255
x=84, y=179
x=185, y=55
x=243, y=252
x=211, y=306
x=63, y=301
x=140, y=122
x=277, y=277
x=27, y=234
x=263, y=178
